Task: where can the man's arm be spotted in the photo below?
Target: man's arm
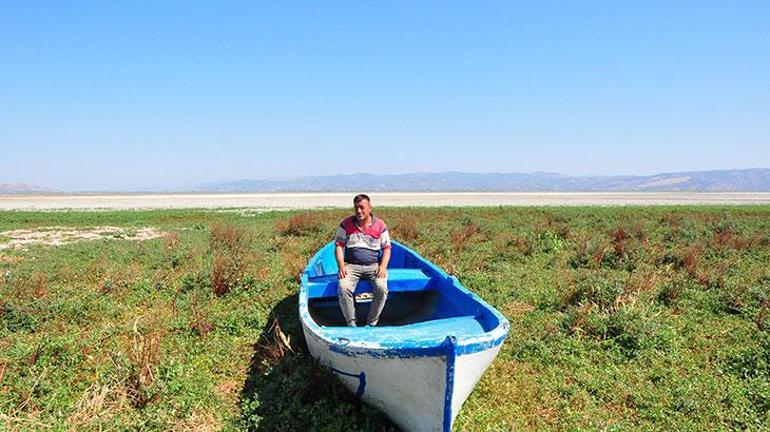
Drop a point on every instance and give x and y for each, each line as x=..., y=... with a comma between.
x=339, y=250
x=340, y=255
x=382, y=270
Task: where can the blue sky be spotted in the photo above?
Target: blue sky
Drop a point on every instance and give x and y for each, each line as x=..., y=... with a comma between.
x=115, y=95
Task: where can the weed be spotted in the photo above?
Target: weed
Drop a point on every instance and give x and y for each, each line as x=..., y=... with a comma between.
x=176, y=260
x=406, y=230
x=752, y=361
x=663, y=327
x=690, y=260
x=461, y=236
x=619, y=238
x=600, y=291
x=106, y=286
x=581, y=257
x=551, y=241
x=191, y=282
x=293, y=265
x=171, y=241
x=598, y=256
x=142, y=359
x=228, y=245
x=671, y=291
x=221, y=275
x=171, y=246
x=589, y=254
x=524, y=245
x=763, y=316
x=299, y=225
x=227, y=237
x=554, y=224
x=722, y=240
x=17, y=319
x=201, y=324
x=275, y=345
x=672, y=220
x=641, y=283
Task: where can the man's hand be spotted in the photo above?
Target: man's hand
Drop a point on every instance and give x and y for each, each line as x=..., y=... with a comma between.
x=339, y=255
x=382, y=271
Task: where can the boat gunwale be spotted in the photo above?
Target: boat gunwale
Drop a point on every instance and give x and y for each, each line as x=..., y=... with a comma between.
x=408, y=348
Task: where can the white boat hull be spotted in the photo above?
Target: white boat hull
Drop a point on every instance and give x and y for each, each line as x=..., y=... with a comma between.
x=411, y=390
x=422, y=365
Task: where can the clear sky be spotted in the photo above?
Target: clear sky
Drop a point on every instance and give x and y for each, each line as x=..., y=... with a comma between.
x=109, y=95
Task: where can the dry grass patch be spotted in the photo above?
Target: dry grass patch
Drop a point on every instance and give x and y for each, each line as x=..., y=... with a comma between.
x=201, y=420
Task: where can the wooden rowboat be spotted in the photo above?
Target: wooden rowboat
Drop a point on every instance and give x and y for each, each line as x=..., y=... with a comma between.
x=433, y=342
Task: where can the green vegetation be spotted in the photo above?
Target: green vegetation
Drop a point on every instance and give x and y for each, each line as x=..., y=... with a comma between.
x=621, y=318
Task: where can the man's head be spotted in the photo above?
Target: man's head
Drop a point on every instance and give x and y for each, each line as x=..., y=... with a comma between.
x=362, y=205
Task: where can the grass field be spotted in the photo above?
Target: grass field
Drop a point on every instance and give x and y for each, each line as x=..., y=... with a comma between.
x=636, y=318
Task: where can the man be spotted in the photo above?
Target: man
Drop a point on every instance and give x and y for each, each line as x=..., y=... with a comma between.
x=360, y=239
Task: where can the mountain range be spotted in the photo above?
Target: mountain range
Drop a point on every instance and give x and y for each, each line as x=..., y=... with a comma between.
x=737, y=180
x=740, y=180
x=23, y=189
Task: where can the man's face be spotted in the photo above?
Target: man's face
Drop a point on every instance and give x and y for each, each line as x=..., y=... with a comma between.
x=363, y=209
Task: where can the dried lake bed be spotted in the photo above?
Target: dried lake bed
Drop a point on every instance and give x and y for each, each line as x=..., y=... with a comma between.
x=288, y=201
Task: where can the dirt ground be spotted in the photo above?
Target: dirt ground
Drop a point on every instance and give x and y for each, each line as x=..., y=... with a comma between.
x=286, y=201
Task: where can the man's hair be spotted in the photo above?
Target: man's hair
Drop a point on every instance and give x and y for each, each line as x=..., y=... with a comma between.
x=360, y=197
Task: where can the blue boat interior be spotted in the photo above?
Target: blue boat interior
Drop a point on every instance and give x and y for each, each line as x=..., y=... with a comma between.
x=421, y=297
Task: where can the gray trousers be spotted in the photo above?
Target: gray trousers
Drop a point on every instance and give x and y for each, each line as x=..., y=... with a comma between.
x=347, y=287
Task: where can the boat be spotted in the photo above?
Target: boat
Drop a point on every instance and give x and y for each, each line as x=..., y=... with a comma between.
x=431, y=346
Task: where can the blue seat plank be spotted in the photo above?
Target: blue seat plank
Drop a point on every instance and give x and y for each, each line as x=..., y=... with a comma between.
x=430, y=332
x=399, y=280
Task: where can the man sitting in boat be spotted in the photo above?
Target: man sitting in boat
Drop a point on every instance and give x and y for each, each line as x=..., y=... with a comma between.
x=362, y=251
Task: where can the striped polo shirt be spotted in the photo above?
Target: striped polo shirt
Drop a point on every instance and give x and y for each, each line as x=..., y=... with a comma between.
x=362, y=244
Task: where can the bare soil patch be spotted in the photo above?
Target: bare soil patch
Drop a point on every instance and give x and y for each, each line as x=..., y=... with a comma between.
x=57, y=235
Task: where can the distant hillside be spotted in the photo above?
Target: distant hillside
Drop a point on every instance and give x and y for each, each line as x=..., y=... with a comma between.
x=744, y=180
x=23, y=188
